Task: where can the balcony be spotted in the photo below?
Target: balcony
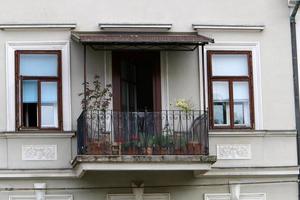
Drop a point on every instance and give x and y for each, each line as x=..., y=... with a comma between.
x=168, y=140
x=170, y=132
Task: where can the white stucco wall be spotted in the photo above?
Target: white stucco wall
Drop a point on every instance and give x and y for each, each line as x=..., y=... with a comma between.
x=274, y=41
x=183, y=80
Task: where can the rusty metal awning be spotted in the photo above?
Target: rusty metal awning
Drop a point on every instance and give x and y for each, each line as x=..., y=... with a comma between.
x=142, y=40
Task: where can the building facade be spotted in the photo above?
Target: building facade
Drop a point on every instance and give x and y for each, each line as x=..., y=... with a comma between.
x=202, y=100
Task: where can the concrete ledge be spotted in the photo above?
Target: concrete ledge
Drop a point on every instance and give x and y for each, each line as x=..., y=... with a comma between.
x=253, y=133
x=10, y=135
x=145, y=159
x=250, y=171
x=34, y=173
x=85, y=163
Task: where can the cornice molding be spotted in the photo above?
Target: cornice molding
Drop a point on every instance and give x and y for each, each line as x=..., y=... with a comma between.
x=231, y=27
x=38, y=26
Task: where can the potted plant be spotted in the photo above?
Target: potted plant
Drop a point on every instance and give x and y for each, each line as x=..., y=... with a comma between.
x=95, y=102
x=184, y=105
x=125, y=148
x=163, y=143
x=149, y=150
x=180, y=144
x=194, y=147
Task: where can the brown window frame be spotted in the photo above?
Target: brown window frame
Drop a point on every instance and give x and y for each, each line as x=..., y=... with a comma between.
x=19, y=93
x=230, y=80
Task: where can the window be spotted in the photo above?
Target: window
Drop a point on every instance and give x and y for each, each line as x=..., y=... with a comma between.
x=230, y=89
x=38, y=90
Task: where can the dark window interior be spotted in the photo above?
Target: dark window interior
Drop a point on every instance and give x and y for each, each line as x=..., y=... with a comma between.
x=144, y=88
x=137, y=85
x=30, y=111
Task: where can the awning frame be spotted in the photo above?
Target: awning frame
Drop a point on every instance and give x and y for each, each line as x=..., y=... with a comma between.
x=101, y=41
x=193, y=43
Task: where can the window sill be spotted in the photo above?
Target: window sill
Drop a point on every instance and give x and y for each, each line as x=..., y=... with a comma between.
x=37, y=134
x=252, y=133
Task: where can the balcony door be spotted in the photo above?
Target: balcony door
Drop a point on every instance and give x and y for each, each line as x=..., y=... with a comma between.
x=136, y=81
x=136, y=96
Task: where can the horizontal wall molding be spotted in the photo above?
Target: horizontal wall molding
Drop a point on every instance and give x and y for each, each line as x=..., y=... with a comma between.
x=37, y=26
x=47, y=197
x=61, y=173
x=292, y=171
x=286, y=171
x=15, y=135
x=228, y=27
x=258, y=133
x=133, y=27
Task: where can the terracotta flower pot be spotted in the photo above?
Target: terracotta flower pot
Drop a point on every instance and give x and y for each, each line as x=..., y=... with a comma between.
x=149, y=151
x=163, y=151
x=194, y=148
x=93, y=149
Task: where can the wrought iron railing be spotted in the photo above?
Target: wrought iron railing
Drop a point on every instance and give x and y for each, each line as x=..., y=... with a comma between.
x=171, y=132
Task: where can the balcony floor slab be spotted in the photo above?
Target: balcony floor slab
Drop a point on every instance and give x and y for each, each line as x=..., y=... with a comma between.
x=84, y=163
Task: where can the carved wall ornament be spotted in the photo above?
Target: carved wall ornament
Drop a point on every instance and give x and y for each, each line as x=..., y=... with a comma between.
x=233, y=151
x=39, y=152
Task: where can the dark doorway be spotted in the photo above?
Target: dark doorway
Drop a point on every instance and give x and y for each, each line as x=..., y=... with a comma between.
x=136, y=81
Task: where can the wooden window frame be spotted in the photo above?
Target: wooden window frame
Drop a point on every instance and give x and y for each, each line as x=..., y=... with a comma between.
x=230, y=80
x=19, y=93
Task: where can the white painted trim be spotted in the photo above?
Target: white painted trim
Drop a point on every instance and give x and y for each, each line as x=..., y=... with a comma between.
x=259, y=133
x=78, y=172
x=15, y=135
x=64, y=47
x=36, y=26
x=135, y=26
x=202, y=82
x=254, y=47
x=249, y=171
x=105, y=67
x=243, y=196
x=48, y=197
x=164, y=80
x=167, y=82
x=228, y=27
x=62, y=173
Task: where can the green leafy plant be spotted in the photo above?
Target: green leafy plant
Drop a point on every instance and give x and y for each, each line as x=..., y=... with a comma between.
x=98, y=97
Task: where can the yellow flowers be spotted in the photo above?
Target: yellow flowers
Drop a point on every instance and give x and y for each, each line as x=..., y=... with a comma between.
x=184, y=105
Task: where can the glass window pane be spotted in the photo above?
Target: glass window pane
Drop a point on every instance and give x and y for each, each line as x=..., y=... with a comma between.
x=38, y=64
x=221, y=107
x=49, y=102
x=229, y=65
x=30, y=103
x=30, y=91
x=241, y=104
